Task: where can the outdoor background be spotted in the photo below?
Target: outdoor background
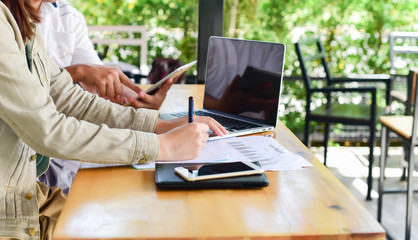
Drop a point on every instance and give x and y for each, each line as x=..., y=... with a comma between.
x=355, y=33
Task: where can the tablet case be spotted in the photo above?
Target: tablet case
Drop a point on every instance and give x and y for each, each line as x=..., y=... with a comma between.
x=166, y=178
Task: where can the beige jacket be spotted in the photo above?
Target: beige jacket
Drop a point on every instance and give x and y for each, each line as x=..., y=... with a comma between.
x=42, y=111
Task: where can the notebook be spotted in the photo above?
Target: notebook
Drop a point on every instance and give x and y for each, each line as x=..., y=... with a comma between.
x=243, y=84
x=166, y=178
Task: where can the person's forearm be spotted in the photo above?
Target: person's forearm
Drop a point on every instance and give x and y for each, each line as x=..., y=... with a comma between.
x=77, y=72
x=163, y=126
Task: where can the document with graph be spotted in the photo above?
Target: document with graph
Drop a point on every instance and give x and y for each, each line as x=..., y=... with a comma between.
x=266, y=150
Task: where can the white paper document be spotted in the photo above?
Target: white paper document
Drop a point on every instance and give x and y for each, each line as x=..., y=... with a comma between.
x=266, y=150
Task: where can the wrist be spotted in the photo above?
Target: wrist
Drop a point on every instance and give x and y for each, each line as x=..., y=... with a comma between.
x=161, y=126
x=166, y=125
x=77, y=72
x=163, y=151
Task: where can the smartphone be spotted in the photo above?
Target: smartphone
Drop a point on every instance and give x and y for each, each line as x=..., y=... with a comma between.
x=151, y=90
x=217, y=170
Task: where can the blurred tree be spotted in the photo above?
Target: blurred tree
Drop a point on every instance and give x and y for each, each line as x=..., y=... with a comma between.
x=355, y=34
x=172, y=24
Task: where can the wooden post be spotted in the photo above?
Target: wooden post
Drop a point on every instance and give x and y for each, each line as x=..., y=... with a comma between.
x=210, y=24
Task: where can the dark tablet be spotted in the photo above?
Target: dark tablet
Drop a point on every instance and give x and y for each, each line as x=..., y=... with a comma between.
x=166, y=178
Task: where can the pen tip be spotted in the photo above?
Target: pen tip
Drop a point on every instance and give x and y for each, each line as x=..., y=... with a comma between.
x=190, y=98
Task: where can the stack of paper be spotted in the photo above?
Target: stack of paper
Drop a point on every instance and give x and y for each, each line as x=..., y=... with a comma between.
x=266, y=150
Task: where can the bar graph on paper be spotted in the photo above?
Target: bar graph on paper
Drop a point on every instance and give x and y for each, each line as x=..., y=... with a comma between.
x=249, y=152
x=267, y=151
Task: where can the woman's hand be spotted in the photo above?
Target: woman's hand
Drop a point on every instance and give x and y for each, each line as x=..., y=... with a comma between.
x=180, y=140
x=184, y=142
x=166, y=125
x=151, y=101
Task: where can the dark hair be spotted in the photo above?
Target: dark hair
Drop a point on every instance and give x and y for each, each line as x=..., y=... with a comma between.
x=23, y=13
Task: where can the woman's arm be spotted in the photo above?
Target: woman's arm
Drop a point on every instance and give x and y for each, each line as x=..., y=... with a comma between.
x=28, y=109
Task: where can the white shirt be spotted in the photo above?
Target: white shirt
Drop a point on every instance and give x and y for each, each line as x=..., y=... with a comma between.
x=65, y=33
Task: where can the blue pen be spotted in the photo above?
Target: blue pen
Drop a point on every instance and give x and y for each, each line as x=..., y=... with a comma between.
x=191, y=103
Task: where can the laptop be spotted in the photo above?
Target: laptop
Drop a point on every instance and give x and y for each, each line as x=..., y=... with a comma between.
x=243, y=84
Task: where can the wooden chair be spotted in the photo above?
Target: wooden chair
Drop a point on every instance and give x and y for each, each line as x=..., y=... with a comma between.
x=404, y=97
x=401, y=46
x=406, y=127
x=332, y=112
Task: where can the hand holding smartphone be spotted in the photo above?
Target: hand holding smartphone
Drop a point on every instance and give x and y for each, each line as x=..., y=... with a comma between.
x=217, y=170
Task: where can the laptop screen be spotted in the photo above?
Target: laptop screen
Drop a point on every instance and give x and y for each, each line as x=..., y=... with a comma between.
x=244, y=78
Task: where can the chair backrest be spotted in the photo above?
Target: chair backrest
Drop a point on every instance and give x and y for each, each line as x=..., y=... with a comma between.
x=401, y=46
x=311, y=50
x=413, y=73
x=408, y=41
x=123, y=35
x=411, y=91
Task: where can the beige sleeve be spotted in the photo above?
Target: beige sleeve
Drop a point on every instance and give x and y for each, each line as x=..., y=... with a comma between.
x=58, y=119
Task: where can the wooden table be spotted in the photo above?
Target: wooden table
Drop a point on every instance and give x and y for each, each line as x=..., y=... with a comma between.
x=120, y=202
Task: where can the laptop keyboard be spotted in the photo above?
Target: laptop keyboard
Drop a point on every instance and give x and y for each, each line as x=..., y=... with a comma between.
x=232, y=125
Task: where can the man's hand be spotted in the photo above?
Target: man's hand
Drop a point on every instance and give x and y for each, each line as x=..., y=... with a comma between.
x=106, y=81
x=112, y=84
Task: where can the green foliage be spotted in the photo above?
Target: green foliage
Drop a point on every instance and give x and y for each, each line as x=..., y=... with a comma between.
x=354, y=32
x=170, y=23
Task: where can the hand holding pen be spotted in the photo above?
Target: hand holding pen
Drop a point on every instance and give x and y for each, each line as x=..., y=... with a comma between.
x=215, y=126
